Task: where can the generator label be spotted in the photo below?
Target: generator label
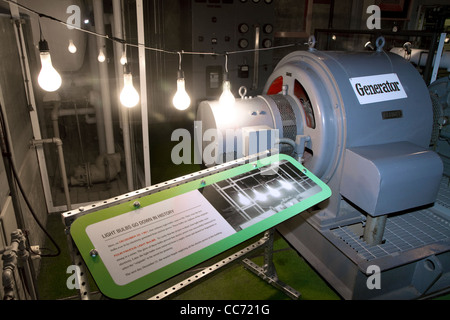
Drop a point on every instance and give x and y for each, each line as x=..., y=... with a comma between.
x=378, y=88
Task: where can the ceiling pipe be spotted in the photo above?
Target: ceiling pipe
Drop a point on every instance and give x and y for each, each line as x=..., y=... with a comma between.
x=57, y=112
x=104, y=77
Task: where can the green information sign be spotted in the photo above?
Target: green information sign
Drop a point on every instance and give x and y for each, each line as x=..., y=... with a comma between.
x=134, y=245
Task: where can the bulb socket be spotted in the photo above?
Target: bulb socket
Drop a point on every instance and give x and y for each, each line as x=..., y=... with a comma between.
x=126, y=68
x=43, y=46
x=180, y=74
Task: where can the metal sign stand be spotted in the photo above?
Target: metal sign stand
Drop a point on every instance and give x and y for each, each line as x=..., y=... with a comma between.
x=267, y=272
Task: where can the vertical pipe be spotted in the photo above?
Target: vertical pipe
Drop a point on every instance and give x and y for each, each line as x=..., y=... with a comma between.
x=374, y=229
x=438, y=27
x=143, y=93
x=95, y=97
x=256, y=59
x=55, y=117
x=437, y=60
x=104, y=77
x=62, y=166
x=117, y=26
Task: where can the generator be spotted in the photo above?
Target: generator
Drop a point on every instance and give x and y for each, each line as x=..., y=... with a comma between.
x=362, y=122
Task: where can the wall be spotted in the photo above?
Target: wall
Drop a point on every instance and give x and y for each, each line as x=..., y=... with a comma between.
x=15, y=108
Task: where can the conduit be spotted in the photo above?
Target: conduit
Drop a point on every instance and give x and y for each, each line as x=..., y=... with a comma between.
x=117, y=29
x=62, y=166
x=104, y=77
x=143, y=89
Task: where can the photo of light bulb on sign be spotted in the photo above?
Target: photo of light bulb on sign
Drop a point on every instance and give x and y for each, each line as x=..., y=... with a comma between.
x=251, y=197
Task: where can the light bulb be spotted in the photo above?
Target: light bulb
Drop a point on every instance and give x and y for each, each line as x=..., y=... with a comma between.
x=72, y=48
x=226, y=98
x=244, y=200
x=286, y=185
x=49, y=79
x=273, y=192
x=123, y=59
x=181, y=99
x=259, y=196
x=129, y=96
x=101, y=56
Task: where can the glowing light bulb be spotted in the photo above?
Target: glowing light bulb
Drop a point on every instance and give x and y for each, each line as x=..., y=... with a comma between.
x=181, y=99
x=129, y=96
x=243, y=199
x=123, y=59
x=227, y=98
x=72, y=48
x=260, y=196
x=286, y=185
x=101, y=56
x=273, y=191
x=49, y=79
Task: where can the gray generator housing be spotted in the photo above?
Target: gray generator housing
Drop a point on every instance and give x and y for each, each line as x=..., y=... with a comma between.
x=361, y=122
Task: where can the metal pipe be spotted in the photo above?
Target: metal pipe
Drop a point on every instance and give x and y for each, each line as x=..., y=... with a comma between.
x=256, y=59
x=23, y=255
x=374, y=229
x=438, y=58
x=95, y=98
x=16, y=255
x=117, y=28
x=57, y=112
x=9, y=265
x=143, y=89
x=104, y=77
x=62, y=165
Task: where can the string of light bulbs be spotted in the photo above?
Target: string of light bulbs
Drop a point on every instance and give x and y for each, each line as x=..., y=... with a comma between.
x=181, y=99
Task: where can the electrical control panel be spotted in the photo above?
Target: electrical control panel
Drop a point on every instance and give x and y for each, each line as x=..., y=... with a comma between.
x=237, y=27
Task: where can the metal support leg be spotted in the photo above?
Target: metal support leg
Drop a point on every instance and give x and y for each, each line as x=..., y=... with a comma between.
x=82, y=280
x=268, y=271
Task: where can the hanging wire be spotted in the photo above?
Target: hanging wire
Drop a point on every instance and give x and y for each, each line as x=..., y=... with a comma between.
x=179, y=61
x=226, y=62
x=140, y=45
x=41, y=36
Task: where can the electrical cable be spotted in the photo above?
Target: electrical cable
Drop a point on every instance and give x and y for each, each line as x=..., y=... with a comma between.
x=138, y=45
